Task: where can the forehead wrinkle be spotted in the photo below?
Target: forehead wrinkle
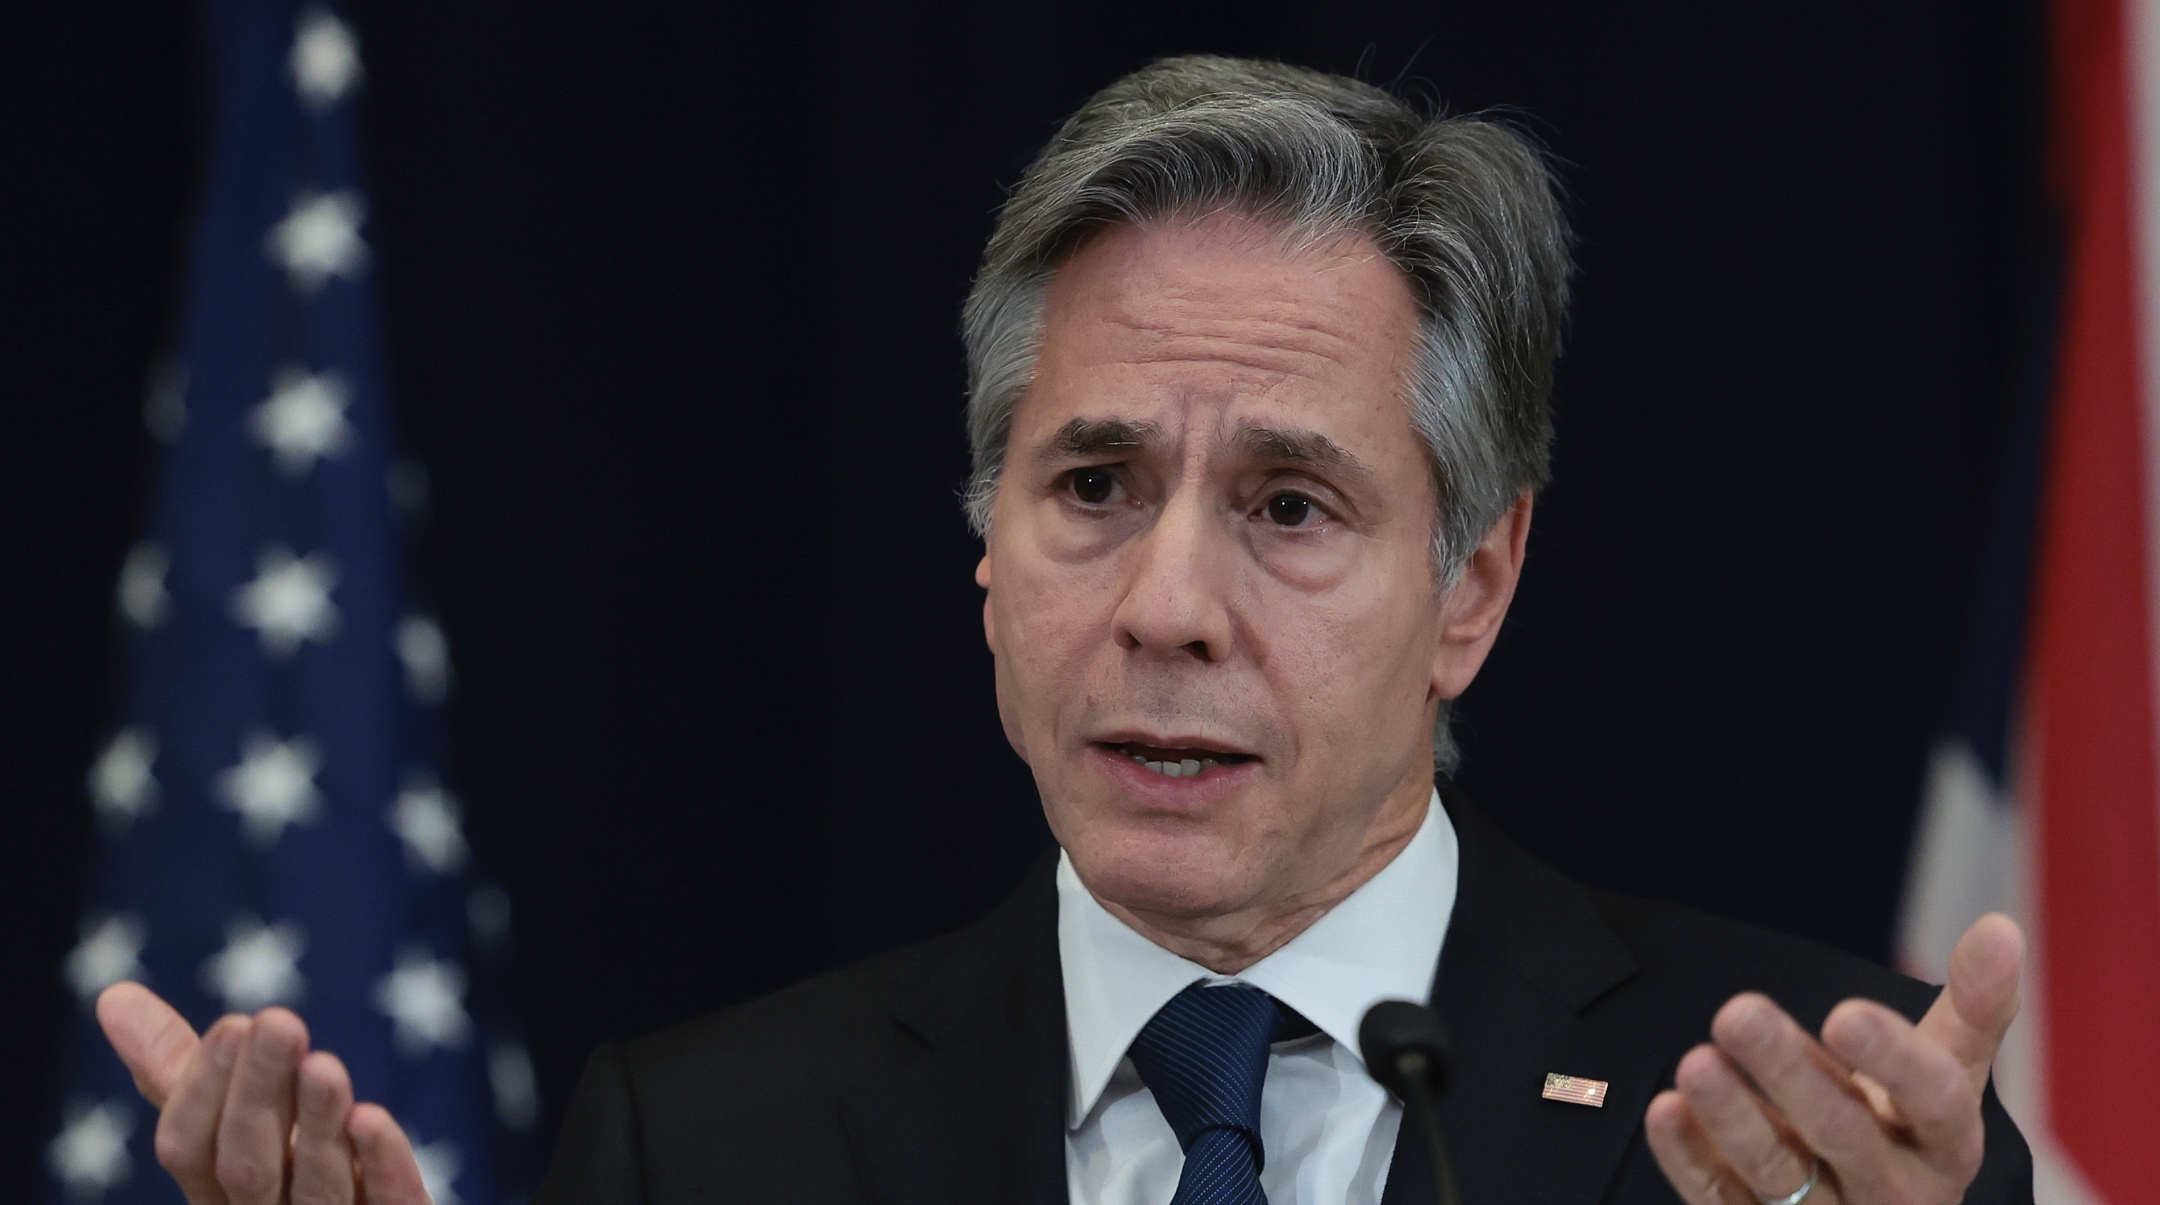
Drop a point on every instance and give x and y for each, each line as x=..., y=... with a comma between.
x=1278, y=335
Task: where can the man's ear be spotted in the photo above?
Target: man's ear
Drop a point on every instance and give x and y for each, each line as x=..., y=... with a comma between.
x=1472, y=610
x=982, y=578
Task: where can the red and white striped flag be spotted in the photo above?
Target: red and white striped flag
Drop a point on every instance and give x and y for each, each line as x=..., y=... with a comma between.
x=2044, y=801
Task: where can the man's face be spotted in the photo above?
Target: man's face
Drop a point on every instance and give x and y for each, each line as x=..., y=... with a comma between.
x=1220, y=643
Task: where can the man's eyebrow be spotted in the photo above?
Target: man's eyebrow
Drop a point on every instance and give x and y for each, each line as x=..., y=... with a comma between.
x=1083, y=437
x=1299, y=447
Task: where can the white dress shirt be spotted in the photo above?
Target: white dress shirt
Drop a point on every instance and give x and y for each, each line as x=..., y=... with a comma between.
x=1327, y=1128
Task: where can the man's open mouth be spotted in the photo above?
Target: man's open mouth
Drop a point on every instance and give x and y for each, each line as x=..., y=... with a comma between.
x=1175, y=762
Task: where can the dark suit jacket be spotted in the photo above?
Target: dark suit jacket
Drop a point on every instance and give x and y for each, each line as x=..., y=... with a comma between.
x=938, y=1073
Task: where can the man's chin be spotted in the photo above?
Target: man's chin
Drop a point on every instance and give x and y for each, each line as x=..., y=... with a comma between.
x=1189, y=876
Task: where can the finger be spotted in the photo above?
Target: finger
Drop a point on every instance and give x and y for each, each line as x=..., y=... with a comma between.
x=187, y=1128
x=259, y=1107
x=153, y=1040
x=1740, y=1124
x=1981, y=999
x=1687, y=1156
x=1934, y=1101
x=388, y=1170
x=1809, y=1086
x=322, y=1154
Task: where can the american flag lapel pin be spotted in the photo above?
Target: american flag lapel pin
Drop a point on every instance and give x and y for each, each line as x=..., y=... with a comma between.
x=1575, y=1090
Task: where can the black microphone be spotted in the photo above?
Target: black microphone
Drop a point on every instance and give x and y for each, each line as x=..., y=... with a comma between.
x=1406, y=1050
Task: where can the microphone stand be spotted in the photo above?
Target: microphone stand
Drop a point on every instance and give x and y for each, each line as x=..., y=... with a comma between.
x=1415, y=1072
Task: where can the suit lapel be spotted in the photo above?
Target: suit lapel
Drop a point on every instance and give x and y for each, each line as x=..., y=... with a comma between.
x=1526, y=952
x=971, y=1107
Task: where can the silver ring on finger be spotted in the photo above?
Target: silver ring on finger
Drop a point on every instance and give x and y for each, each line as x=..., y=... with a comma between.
x=1814, y=1172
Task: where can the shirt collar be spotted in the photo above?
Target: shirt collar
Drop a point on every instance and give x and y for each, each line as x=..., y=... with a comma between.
x=1381, y=943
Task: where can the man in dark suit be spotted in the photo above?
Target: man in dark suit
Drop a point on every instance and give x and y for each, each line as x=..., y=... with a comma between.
x=1259, y=375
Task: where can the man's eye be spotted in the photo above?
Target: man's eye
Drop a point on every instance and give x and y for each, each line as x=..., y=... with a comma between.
x=1093, y=486
x=1291, y=510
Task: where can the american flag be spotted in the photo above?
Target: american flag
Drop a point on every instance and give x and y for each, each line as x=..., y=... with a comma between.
x=1575, y=1090
x=274, y=827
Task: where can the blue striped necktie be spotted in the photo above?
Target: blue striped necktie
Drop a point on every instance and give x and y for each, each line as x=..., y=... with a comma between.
x=1204, y=1057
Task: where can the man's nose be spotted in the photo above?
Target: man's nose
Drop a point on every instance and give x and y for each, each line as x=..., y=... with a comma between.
x=1177, y=601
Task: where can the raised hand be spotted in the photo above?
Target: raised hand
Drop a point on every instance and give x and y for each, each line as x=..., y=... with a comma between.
x=247, y=1115
x=1880, y=1110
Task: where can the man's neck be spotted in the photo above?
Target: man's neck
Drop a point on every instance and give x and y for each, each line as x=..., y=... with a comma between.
x=1230, y=942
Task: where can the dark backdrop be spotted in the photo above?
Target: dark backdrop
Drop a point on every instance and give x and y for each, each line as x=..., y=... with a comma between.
x=673, y=290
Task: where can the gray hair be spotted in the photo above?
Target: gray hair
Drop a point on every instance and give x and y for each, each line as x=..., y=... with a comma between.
x=1466, y=207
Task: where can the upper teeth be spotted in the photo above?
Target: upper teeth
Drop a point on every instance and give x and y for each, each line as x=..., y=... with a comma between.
x=1177, y=769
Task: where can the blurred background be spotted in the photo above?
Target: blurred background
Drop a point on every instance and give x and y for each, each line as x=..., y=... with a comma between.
x=671, y=296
